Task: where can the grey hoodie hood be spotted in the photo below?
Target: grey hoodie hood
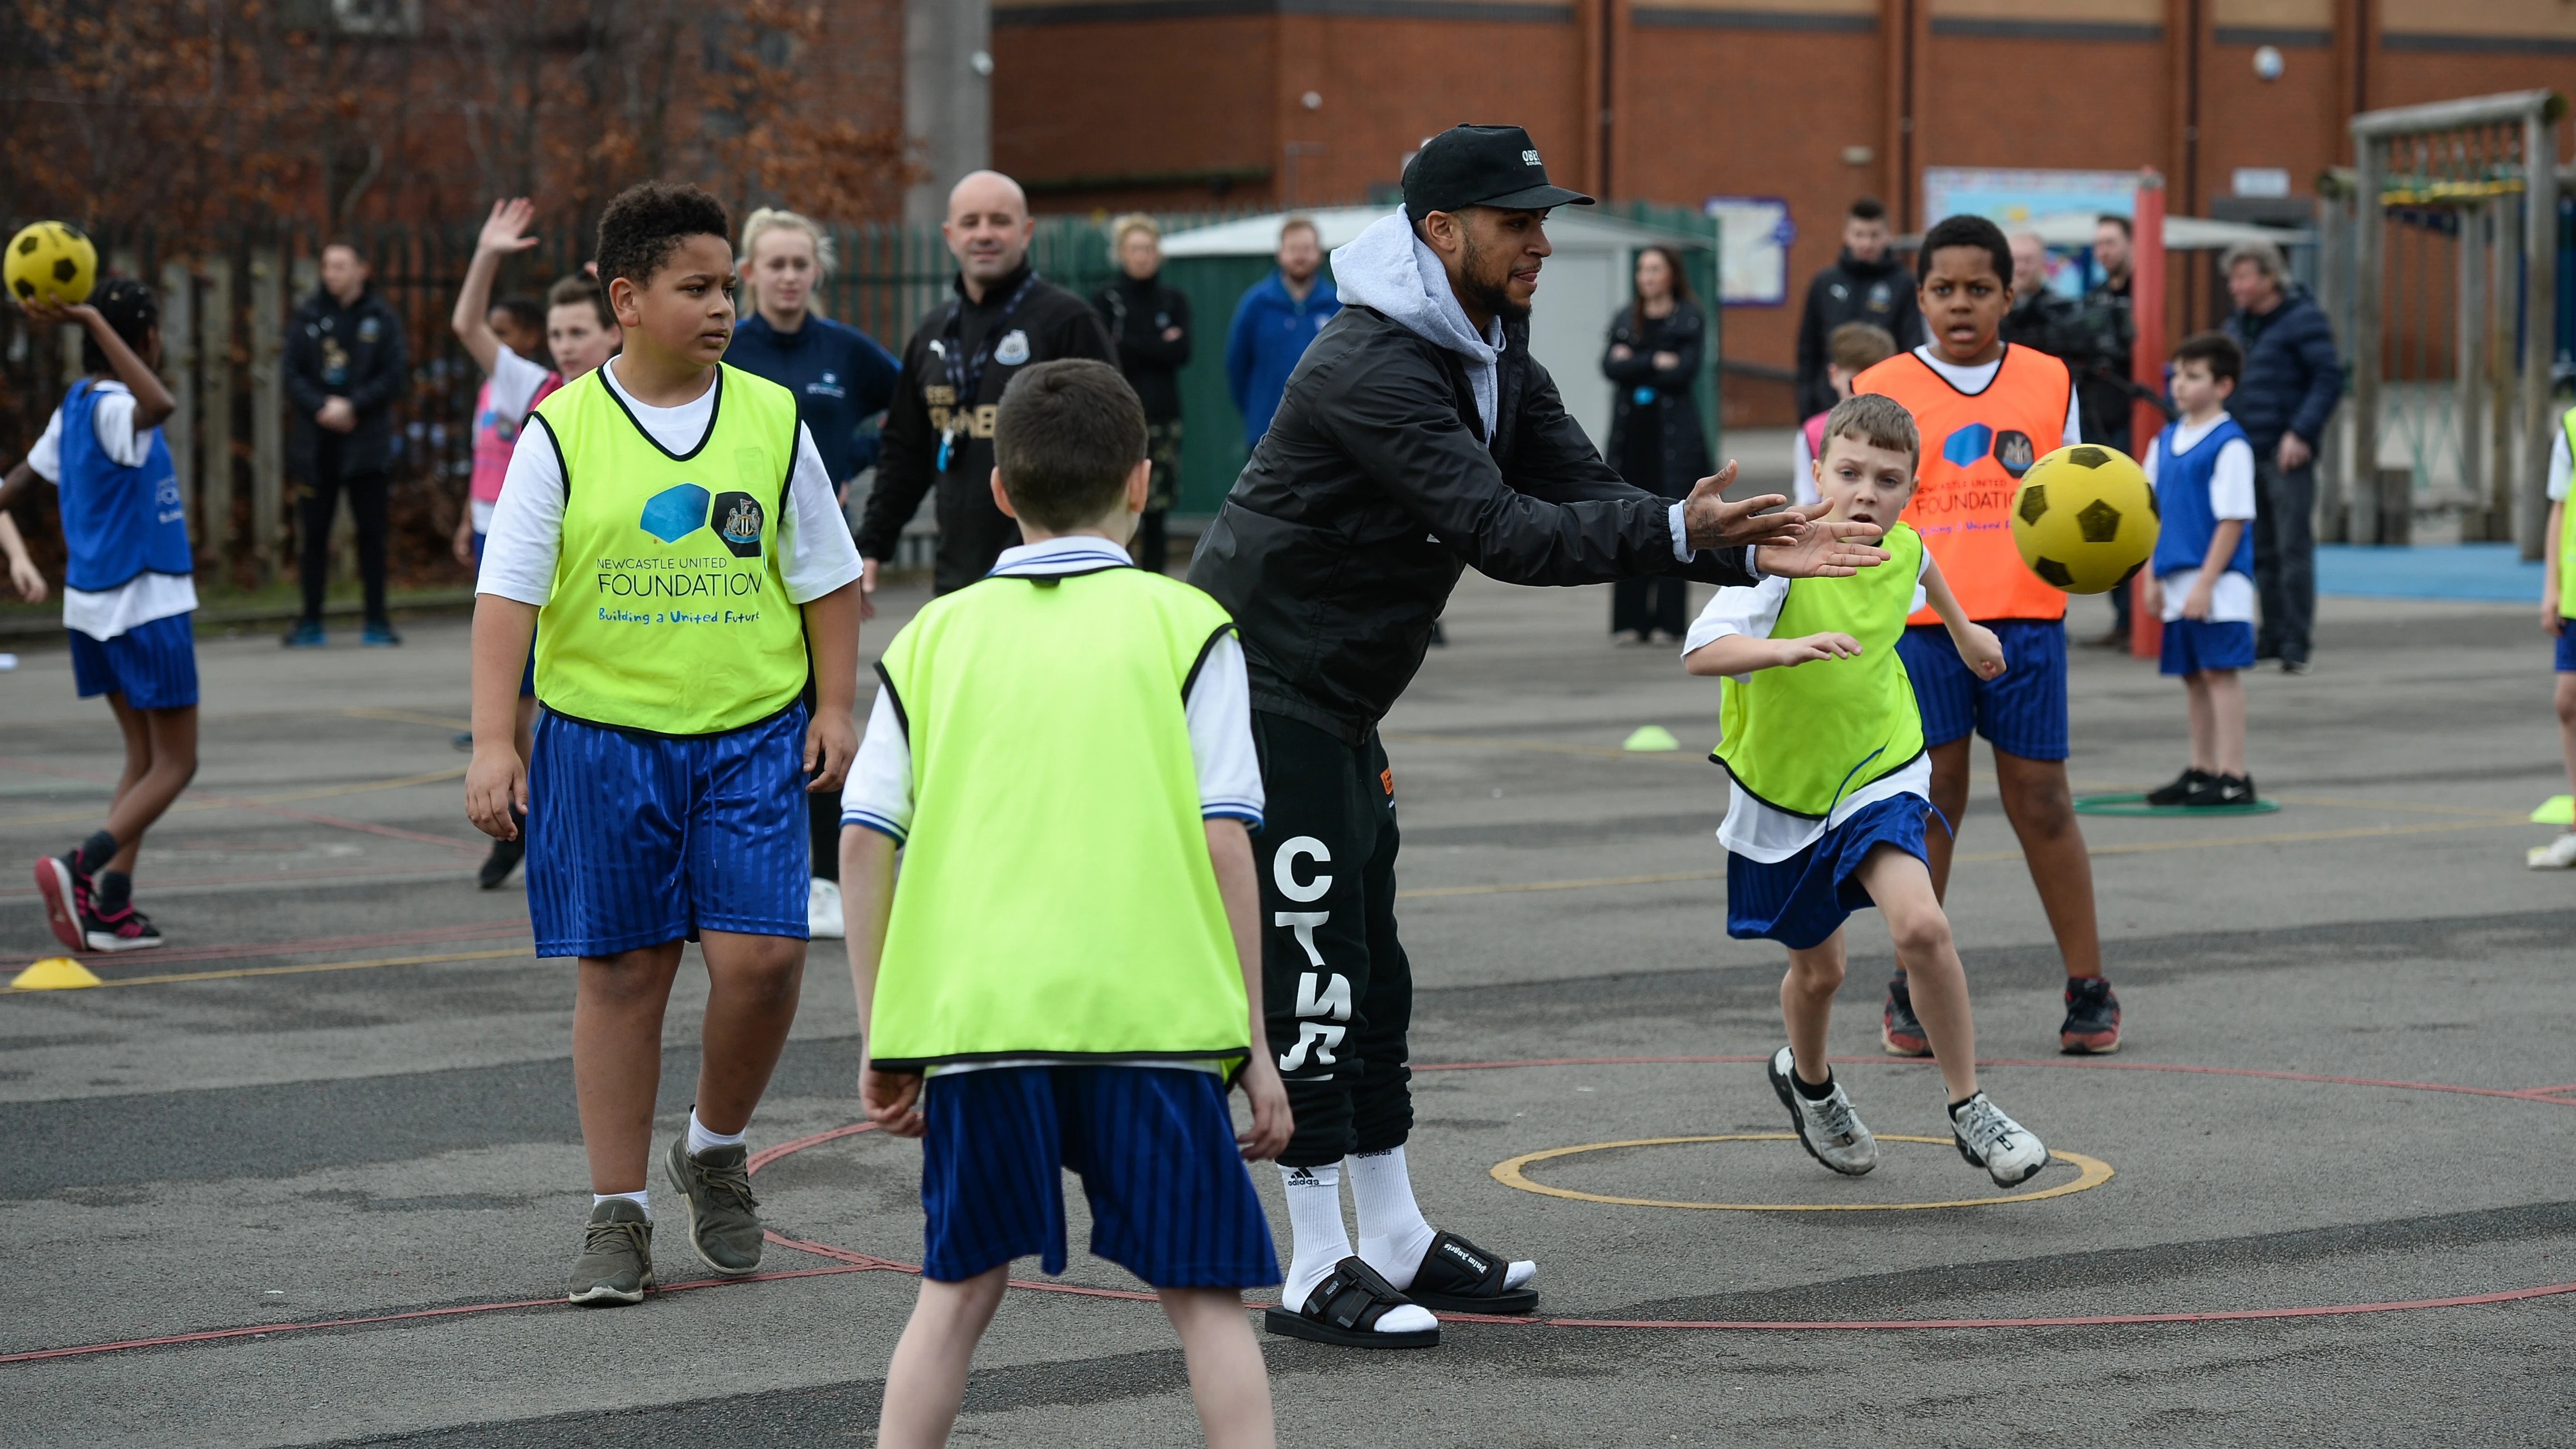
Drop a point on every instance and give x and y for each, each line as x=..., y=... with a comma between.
x=1389, y=270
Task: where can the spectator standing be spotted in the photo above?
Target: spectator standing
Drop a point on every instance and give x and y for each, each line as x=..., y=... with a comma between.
x=841, y=379
x=2041, y=319
x=939, y=428
x=1150, y=324
x=345, y=370
x=2104, y=391
x=2293, y=379
x=1863, y=285
x=1272, y=325
x=1656, y=439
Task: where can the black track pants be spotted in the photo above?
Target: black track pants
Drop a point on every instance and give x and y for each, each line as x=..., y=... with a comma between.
x=1337, y=988
x=367, y=496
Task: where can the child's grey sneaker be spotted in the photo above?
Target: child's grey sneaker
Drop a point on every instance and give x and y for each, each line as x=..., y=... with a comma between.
x=715, y=1187
x=1989, y=1139
x=1827, y=1127
x=616, y=1262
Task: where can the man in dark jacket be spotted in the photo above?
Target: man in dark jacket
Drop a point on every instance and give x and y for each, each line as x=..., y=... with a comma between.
x=2042, y=319
x=1417, y=437
x=1863, y=285
x=345, y=370
x=2293, y=379
x=1150, y=324
x=939, y=429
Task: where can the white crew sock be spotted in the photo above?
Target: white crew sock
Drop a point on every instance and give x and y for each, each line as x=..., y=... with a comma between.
x=1393, y=1236
x=1316, y=1240
x=638, y=1197
x=700, y=1139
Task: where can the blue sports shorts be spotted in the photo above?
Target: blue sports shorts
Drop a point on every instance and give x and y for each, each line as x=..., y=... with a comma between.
x=2192, y=645
x=2023, y=713
x=2567, y=647
x=637, y=839
x=1801, y=901
x=153, y=665
x=1170, y=1199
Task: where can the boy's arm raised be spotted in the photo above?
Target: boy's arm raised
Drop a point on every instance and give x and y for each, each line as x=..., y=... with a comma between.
x=1230, y=851
x=504, y=232
x=152, y=401
x=1978, y=647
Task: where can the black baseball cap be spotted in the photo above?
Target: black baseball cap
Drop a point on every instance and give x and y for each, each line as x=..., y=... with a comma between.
x=1481, y=166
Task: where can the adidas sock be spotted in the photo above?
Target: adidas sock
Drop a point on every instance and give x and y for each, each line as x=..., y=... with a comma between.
x=1316, y=1240
x=1813, y=1091
x=94, y=853
x=700, y=1139
x=639, y=1197
x=1393, y=1236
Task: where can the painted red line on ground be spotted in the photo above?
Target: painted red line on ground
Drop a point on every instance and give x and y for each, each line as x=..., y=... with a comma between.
x=198, y=797
x=2089, y=1064
x=470, y=931
x=264, y=1330
x=2105, y=1320
x=283, y=877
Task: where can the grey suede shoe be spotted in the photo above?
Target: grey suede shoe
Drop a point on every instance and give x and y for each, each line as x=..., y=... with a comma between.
x=715, y=1184
x=616, y=1262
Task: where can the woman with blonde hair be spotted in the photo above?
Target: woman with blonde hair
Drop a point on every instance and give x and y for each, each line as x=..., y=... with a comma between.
x=842, y=380
x=1150, y=323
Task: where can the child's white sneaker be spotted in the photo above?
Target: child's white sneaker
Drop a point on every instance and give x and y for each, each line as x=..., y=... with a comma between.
x=1989, y=1139
x=2559, y=854
x=1827, y=1126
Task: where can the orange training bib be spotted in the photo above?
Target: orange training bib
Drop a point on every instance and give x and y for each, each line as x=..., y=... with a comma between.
x=1976, y=446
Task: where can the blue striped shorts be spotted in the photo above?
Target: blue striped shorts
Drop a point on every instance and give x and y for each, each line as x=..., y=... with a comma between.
x=1801, y=901
x=2023, y=713
x=636, y=839
x=1170, y=1199
x=153, y=665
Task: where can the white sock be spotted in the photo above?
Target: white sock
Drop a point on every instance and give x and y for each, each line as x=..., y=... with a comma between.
x=1316, y=1240
x=700, y=1139
x=1393, y=1236
x=637, y=1197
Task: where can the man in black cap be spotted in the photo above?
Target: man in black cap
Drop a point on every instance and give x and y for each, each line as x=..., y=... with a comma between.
x=1417, y=437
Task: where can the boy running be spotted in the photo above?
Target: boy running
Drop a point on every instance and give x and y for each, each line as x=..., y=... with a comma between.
x=1069, y=707
x=502, y=340
x=2201, y=580
x=1985, y=412
x=675, y=535
x=1830, y=788
x=129, y=587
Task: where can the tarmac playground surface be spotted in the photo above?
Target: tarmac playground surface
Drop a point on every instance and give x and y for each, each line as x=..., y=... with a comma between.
x=319, y=1156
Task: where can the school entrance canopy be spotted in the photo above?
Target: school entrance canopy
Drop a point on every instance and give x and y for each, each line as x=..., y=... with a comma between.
x=1583, y=283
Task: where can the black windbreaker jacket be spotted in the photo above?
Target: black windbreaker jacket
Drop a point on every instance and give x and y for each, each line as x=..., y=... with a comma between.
x=1375, y=487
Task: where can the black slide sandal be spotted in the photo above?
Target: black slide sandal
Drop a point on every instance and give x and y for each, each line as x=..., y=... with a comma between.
x=1456, y=1276
x=1344, y=1310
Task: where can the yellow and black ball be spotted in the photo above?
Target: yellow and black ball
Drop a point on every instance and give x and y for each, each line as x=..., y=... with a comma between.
x=50, y=263
x=2085, y=519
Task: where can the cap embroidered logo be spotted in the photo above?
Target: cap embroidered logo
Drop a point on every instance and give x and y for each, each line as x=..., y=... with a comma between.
x=1529, y=158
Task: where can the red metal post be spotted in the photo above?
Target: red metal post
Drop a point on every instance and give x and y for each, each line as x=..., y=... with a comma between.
x=2147, y=366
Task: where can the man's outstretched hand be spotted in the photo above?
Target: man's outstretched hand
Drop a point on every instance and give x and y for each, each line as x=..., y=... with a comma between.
x=1795, y=542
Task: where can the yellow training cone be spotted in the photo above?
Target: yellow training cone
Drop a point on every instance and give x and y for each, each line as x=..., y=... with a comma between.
x=54, y=973
x=1652, y=739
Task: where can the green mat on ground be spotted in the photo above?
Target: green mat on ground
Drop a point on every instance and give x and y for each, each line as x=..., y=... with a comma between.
x=2137, y=805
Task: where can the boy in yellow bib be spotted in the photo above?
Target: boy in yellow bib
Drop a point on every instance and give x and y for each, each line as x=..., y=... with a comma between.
x=1825, y=748
x=670, y=522
x=1066, y=976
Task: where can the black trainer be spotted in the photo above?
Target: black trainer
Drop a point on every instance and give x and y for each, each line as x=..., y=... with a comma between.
x=2181, y=788
x=2218, y=791
x=1898, y=1031
x=2092, y=1025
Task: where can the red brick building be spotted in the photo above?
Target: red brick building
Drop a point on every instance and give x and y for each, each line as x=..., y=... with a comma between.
x=1174, y=103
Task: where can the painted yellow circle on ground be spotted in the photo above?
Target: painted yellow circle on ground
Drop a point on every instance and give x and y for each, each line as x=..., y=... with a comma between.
x=2093, y=1172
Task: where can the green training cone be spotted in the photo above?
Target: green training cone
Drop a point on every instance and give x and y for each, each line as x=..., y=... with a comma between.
x=1654, y=739
x=2556, y=810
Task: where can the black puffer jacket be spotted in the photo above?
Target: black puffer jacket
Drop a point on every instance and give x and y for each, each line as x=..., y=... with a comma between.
x=1376, y=487
x=353, y=351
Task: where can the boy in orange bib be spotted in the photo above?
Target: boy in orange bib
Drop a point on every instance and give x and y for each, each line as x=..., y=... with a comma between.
x=1987, y=411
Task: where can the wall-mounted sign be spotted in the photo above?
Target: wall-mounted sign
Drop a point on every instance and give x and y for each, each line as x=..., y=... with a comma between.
x=1753, y=236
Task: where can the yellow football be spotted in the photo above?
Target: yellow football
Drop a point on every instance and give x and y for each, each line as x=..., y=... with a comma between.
x=2085, y=519
x=50, y=262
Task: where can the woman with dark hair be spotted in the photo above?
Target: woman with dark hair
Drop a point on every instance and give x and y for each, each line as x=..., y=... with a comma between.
x=1656, y=440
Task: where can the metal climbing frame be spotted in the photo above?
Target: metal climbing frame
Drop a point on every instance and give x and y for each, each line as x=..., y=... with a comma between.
x=2454, y=287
